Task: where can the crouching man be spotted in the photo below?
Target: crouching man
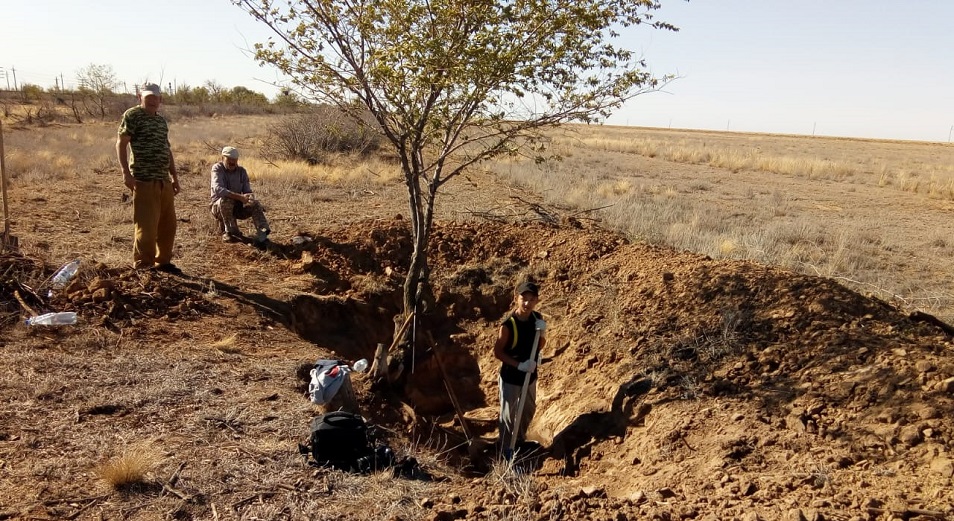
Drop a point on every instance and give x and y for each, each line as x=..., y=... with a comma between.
x=232, y=199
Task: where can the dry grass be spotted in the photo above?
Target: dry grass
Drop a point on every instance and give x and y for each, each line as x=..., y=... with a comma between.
x=779, y=200
x=812, y=158
x=73, y=159
x=134, y=465
x=721, y=194
x=733, y=159
x=604, y=174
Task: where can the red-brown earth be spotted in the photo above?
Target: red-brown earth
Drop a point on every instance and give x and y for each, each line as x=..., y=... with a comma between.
x=674, y=386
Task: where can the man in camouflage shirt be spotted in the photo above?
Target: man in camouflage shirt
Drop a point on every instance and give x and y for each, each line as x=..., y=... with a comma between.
x=152, y=177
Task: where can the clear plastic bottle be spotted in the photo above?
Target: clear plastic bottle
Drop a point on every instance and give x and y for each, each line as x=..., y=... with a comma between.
x=360, y=365
x=63, y=276
x=63, y=318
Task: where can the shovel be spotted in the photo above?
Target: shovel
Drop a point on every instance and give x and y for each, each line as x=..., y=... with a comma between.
x=523, y=391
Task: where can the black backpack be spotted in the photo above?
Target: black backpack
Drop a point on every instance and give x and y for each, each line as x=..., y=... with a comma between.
x=339, y=440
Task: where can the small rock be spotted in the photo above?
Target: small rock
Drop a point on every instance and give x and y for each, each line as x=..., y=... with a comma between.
x=666, y=493
x=748, y=488
x=593, y=491
x=426, y=502
x=946, y=386
x=926, y=412
x=688, y=512
x=943, y=466
x=795, y=423
x=910, y=435
x=925, y=366
x=795, y=515
x=101, y=295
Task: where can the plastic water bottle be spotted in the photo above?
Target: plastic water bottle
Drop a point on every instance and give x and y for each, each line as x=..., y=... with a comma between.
x=360, y=365
x=63, y=318
x=63, y=276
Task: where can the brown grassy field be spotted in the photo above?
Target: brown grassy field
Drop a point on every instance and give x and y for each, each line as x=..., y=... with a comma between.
x=871, y=214
x=740, y=328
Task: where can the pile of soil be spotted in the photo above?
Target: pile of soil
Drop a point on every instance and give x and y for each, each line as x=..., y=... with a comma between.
x=674, y=386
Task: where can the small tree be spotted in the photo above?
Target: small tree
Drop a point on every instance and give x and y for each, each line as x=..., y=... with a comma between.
x=96, y=84
x=187, y=95
x=247, y=97
x=450, y=83
x=217, y=92
x=288, y=99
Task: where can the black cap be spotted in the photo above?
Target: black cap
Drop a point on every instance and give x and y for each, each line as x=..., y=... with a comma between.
x=532, y=287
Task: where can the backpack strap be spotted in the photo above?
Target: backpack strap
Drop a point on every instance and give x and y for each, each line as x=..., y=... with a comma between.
x=513, y=328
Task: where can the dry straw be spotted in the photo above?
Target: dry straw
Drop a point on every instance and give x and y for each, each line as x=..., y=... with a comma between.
x=134, y=465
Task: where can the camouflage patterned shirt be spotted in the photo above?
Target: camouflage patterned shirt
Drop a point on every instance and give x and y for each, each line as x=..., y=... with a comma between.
x=149, y=140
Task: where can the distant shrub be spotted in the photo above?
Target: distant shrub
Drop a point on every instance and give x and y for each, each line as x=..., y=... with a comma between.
x=314, y=135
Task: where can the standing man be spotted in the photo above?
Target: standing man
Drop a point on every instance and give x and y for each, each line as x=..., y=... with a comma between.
x=153, y=180
x=231, y=198
x=513, y=348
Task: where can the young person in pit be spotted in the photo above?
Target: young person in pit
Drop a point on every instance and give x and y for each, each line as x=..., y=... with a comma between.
x=513, y=348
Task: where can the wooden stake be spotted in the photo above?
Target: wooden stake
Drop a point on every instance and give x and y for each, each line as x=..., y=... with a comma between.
x=379, y=366
x=3, y=189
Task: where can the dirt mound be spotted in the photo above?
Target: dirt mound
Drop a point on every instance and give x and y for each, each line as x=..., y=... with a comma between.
x=733, y=380
x=110, y=297
x=674, y=386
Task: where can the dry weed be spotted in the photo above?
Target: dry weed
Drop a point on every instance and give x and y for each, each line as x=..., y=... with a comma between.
x=134, y=465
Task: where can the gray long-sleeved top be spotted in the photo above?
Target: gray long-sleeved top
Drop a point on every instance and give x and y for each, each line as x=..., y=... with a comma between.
x=224, y=181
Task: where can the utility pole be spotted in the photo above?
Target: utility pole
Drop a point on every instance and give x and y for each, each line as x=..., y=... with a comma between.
x=949, y=132
x=4, y=73
x=14, y=69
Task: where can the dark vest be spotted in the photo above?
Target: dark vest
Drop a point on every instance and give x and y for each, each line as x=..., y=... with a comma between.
x=522, y=333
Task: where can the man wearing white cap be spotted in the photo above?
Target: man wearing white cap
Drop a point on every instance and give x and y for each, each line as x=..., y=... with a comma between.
x=152, y=177
x=231, y=199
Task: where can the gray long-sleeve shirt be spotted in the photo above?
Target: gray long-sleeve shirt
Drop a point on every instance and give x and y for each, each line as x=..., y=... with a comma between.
x=224, y=181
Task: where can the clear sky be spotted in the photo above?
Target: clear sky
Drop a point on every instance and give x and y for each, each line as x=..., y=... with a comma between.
x=856, y=68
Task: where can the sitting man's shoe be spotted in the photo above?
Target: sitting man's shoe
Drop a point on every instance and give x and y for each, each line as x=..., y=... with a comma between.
x=261, y=238
x=169, y=268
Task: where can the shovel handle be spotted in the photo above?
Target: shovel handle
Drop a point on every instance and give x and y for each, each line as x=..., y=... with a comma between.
x=523, y=395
